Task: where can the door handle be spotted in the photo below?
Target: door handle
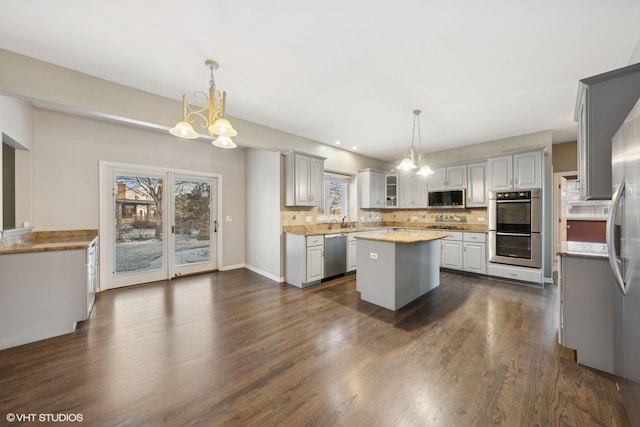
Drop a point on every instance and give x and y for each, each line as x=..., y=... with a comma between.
x=611, y=247
x=215, y=226
x=173, y=229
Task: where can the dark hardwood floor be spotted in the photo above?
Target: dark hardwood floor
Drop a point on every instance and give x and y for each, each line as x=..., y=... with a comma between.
x=234, y=348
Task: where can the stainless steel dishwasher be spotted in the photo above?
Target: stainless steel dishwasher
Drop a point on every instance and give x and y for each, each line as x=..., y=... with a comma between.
x=335, y=254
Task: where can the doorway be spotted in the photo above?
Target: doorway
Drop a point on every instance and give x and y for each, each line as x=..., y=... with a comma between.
x=565, y=187
x=156, y=223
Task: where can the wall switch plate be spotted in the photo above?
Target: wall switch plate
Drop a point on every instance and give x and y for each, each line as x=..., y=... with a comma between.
x=373, y=255
x=308, y=219
x=229, y=218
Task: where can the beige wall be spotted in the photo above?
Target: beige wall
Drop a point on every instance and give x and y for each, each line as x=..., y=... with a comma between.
x=264, y=246
x=118, y=108
x=17, y=122
x=565, y=157
x=68, y=149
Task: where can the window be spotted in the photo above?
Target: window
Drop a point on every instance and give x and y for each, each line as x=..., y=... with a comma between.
x=336, y=195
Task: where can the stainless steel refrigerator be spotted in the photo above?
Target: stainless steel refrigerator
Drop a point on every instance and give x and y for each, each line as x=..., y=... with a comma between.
x=623, y=241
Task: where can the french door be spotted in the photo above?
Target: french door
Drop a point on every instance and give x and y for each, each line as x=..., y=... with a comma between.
x=155, y=224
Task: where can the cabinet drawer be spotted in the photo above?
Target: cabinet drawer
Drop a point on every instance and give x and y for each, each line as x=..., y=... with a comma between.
x=453, y=235
x=475, y=237
x=315, y=240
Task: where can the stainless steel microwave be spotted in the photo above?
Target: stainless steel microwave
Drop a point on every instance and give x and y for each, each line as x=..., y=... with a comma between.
x=449, y=199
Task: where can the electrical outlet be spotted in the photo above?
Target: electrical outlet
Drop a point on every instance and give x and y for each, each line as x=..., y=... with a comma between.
x=373, y=255
x=229, y=218
x=308, y=219
x=294, y=217
x=480, y=219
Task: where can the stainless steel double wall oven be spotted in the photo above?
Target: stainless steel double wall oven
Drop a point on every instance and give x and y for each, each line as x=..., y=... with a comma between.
x=515, y=225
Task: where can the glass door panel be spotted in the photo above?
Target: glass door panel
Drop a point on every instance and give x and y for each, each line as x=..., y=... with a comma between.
x=138, y=223
x=194, y=224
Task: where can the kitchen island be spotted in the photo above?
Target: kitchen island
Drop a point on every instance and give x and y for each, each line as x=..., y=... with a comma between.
x=398, y=267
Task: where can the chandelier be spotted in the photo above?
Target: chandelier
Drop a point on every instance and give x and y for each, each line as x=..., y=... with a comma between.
x=415, y=158
x=211, y=116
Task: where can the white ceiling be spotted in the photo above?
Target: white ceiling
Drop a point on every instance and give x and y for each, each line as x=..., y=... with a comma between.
x=349, y=70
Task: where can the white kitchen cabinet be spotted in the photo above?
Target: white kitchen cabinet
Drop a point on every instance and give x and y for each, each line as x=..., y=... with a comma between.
x=304, y=179
x=92, y=283
x=527, y=170
x=371, y=189
x=474, y=252
x=315, y=263
x=304, y=259
x=452, y=251
x=413, y=190
x=352, y=254
x=391, y=190
x=517, y=171
x=448, y=178
x=476, y=185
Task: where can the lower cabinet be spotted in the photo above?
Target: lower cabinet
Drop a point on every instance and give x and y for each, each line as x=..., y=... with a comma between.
x=304, y=259
x=452, y=251
x=474, y=253
x=465, y=251
x=352, y=252
x=315, y=263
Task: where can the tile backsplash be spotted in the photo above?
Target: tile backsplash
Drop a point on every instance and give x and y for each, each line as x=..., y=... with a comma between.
x=476, y=216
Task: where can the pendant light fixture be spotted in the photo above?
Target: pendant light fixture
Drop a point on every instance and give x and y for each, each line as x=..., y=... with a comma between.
x=415, y=158
x=211, y=116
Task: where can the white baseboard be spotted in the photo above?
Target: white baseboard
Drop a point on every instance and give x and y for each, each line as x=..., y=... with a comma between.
x=231, y=267
x=264, y=273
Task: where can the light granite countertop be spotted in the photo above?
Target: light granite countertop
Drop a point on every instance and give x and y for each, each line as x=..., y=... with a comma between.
x=312, y=230
x=405, y=236
x=39, y=241
x=583, y=249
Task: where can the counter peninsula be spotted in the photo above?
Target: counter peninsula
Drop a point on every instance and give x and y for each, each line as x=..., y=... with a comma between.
x=398, y=267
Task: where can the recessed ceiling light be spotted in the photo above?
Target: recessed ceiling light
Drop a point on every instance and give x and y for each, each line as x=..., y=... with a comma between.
x=354, y=148
x=337, y=142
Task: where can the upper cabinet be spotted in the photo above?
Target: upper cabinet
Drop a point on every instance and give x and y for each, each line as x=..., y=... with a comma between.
x=304, y=179
x=391, y=190
x=413, y=190
x=517, y=171
x=477, y=184
x=448, y=178
x=371, y=189
x=604, y=101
